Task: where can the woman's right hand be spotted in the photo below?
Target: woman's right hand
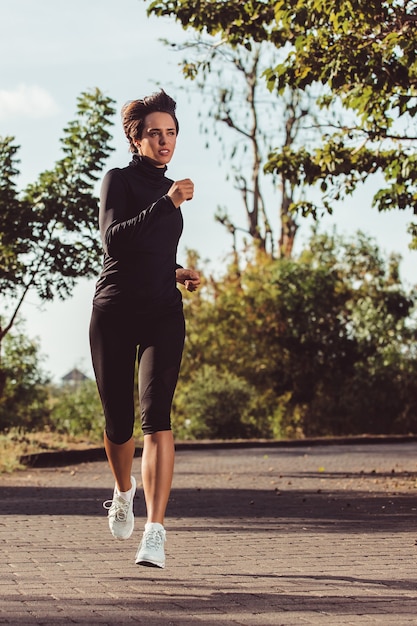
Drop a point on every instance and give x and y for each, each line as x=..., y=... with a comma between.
x=180, y=191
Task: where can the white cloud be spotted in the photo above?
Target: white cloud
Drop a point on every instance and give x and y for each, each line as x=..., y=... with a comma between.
x=28, y=101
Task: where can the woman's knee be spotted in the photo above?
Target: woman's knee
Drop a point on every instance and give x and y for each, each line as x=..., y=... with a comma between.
x=119, y=435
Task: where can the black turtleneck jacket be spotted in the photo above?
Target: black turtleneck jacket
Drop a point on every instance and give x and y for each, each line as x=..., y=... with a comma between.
x=140, y=229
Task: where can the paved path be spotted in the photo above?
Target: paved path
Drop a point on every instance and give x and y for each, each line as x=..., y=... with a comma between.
x=262, y=536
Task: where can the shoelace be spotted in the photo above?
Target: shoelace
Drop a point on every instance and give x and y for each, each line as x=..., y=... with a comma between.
x=117, y=507
x=153, y=539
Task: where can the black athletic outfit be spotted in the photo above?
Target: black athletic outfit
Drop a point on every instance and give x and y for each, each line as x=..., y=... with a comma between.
x=137, y=302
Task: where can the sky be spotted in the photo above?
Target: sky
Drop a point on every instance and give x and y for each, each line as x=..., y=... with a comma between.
x=50, y=52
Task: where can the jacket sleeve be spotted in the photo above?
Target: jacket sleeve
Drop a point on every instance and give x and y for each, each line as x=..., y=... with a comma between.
x=120, y=235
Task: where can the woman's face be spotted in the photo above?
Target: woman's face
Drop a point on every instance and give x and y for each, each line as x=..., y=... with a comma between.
x=158, y=138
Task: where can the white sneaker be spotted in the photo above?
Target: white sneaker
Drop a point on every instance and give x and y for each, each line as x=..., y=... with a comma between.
x=151, y=548
x=120, y=515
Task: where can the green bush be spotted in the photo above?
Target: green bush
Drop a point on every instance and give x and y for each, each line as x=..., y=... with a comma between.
x=23, y=390
x=215, y=405
x=328, y=341
x=76, y=410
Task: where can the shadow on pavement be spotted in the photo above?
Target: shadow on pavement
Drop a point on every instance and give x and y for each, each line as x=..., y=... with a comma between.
x=181, y=606
x=336, y=510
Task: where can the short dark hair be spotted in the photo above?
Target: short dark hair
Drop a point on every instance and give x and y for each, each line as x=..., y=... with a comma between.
x=135, y=111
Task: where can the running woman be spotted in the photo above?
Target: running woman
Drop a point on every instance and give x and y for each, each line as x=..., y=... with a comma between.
x=138, y=315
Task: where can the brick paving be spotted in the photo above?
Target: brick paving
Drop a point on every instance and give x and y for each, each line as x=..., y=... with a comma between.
x=314, y=535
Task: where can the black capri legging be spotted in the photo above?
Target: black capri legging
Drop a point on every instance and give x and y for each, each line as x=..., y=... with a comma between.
x=114, y=339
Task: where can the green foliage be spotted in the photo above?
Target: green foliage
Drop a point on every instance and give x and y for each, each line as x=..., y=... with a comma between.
x=364, y=52
x=48, y=233
x=361, y=59
x=327, y=340
x=63, y=243
x=215, y=405
x=239, y=22
x=14, y=220
x=76, y=410
x=24, y=402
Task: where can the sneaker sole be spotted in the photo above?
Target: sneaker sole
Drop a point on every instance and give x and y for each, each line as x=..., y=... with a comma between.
x=150, y=564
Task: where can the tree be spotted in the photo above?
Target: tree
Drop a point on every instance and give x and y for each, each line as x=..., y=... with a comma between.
x=48, y=233
x=23, y=403
x=363, y=57
x=248, y=122
x=327, y=341
x=236, y=104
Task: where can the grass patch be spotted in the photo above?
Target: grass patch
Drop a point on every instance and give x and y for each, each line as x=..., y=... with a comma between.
x=17, y=443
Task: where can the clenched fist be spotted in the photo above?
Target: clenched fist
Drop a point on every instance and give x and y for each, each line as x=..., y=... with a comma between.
x=189, y=278
x=180, y=191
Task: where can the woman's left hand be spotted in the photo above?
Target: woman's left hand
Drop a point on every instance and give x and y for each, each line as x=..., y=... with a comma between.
x=189, y=278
